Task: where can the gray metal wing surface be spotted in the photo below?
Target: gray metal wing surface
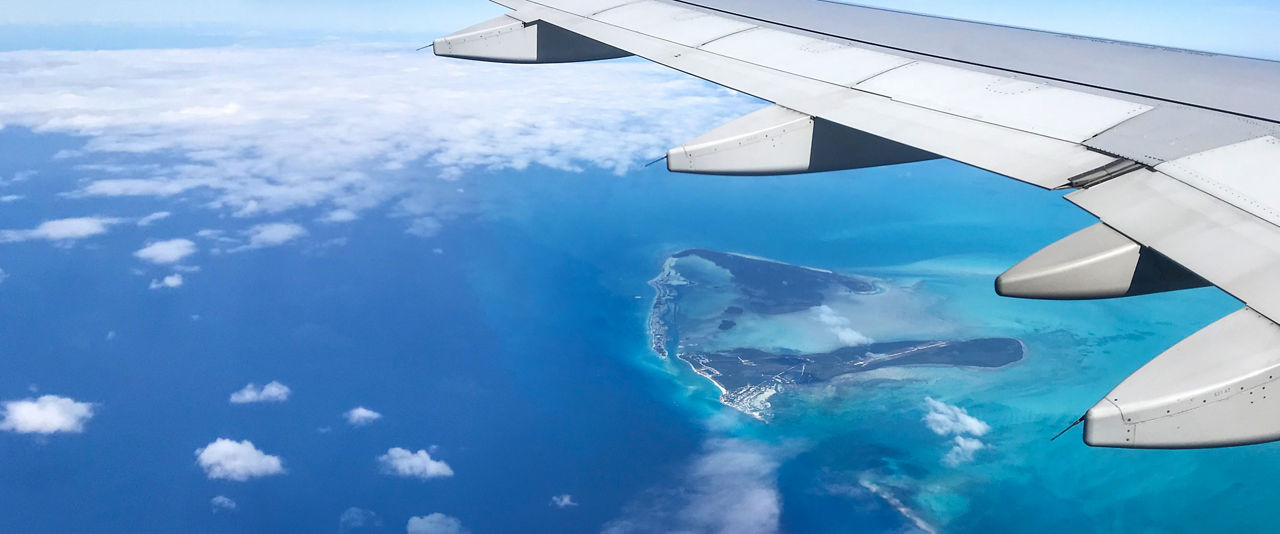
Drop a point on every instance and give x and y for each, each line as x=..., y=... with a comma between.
x=1176, y=152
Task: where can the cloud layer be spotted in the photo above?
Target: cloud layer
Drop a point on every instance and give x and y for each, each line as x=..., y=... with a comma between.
x=402, y=462
x=49, y=414
x=342, y=128
x=237, y=460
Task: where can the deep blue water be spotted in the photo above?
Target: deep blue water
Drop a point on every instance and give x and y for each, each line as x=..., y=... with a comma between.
x=520, y=351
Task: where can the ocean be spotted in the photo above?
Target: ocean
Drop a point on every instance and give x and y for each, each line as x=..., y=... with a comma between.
x=513, y=345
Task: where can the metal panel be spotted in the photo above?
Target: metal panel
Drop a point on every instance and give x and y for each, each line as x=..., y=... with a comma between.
x=1094, y=263
x=1170, y=132
x=1031, y=158
x=665, y=21
x=1245, y=175
x=587, y=8
x=1216, y=388
x=810, y=57
x=1225, y=245
x=500, y=39
x=1059, y=113
x=512, y=39
x=777, y=140
x=1234, y=84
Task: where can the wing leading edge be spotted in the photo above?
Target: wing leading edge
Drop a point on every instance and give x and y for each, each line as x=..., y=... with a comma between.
x=1186, y=181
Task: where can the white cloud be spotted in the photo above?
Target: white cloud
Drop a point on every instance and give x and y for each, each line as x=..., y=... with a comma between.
x=11, y=198
x=563, y=501
x=17, y=177
x=435, y=524
x=272, y=392
x=3, y=276
x=48, y=414
x=271, y=235
x=249, y=131
x=963, y=451
x=424, y=227
x=340, y=216
x=944, y=419
x=360, y=416
x=134, y=187
x=357, y=518
x=947, y=419
x=171, y=251
x=401, y=462
x=159, y=215
x=222, y=503
x=62, y=230
x=236, y=460
x=839, y=326
x=172, y=281
x=731, y=489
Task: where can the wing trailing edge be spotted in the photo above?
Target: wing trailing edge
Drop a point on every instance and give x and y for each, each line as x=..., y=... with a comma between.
x=1185, y=193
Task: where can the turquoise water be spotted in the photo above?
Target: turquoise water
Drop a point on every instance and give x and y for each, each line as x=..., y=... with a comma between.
x=951, y=229
x=520, y=350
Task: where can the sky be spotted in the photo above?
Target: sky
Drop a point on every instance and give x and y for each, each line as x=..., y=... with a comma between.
x=275, y=124
x=1228, y=27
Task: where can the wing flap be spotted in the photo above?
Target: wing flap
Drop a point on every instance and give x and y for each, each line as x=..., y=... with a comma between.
x=1245, y=175
x=1225, y=245
x=1028, y=106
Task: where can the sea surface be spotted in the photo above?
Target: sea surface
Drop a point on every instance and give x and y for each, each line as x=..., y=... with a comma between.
x=515, y=343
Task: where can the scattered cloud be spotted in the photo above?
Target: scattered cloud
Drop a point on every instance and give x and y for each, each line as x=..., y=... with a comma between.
x=3, y=276
x=731, y=488
x=48, y=414
x=563, y=501
x=424, y=227
x=226, y=459
x=839, y=326
x=61, y=230
x=435, y=524
x=944, y=419
x=360, y=416
x=11, y=198
x=950, y=420
x=357, y=518
x=171, y=251
x=270, y=235
x=340, y=216
x=17, y=177
x=272, y=392
x=222, y=503
x=172, y=281
x=963, y=451
x=248, y=133
x=159, y=215
x=403, y=463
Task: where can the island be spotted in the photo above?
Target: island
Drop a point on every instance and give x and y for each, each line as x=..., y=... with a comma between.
x=756, y=327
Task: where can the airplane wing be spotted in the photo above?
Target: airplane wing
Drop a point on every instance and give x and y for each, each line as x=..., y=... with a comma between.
x=1176, y=152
